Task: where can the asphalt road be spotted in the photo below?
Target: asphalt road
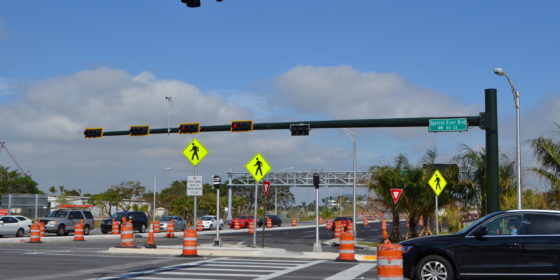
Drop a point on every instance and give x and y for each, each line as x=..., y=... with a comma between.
x=88, y=260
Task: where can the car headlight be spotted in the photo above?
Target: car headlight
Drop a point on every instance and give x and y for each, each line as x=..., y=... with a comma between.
x=406, y=249
x=51, y=223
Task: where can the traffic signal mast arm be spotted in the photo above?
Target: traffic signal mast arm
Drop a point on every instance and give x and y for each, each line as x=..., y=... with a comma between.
x=397, y=122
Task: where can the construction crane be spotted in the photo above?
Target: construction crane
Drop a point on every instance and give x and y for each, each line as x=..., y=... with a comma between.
x=3, y=147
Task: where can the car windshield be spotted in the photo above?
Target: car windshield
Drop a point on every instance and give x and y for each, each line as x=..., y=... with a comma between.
x=207, y=218
x=118, y=216
x=58, y=214
x=166, y=218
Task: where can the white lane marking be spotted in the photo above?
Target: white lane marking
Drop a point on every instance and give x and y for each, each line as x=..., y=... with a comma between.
x=353, y=272
x=286, y=271
x=205, y=268
x=189, y=273
x=247, y=265
x=263, y=261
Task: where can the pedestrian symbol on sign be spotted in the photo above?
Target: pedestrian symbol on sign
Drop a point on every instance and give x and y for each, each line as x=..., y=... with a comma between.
x=195, y=152
x=258, y=167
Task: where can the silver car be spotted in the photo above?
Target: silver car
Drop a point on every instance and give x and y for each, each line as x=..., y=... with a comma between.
x=210, y=222
x=15, y=225
x=179, y=223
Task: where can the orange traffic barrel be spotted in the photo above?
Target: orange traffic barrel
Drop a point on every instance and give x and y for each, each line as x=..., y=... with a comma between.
x=320, y=220
x=156, y=226
x=189, y=243
x=199, y=226
x=384, y=229
x=350, y=227
x=389, y=262
x=151, y=243
x=268, y=222
x=35, y=234
x=336, y=229
x=170, y=230
x=127, y=236
x=294, y=221
x=251, y=227
x=42, y=229
x=329, y=224
x=236, y=224
x=79, y=231
x=346, y=251
x=115, y=227
x=366, y=222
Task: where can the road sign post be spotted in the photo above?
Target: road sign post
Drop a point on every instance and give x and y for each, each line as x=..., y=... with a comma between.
x=217, y=181
x=317, y=245
x=437, y=182
x=258, y=168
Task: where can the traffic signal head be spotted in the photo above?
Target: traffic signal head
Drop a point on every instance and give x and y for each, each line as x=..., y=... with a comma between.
x=239, y=126
x=192, y=3
x=189, y=128
x=316, y=180
x=300, y=129
x=93, y=133
x=140, y=130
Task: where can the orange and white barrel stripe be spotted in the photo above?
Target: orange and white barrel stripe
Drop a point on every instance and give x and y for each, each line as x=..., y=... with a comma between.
x=337, y=229
x=35, y=234
x=329, y=224
x=320, y=220
x=294, y=221
x=199, y=226
x=236, y=224
x=251, y=227
x=170, y=230
x=189, y=243
x=127, y=236
x=114, y=227
x=346, y=252
x=389, y=262
x=268, y=222
x=79, y=231
x=156, y=226
x=42, y=229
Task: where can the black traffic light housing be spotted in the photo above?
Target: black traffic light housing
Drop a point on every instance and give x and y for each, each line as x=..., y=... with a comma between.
x=189, y=128
x=241, y=126
x=93, y=132
x=300, y=129
x=192, y=3
x=139, y=130
x=316, y=180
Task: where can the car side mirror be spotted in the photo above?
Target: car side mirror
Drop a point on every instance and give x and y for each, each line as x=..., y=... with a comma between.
x=480, y=231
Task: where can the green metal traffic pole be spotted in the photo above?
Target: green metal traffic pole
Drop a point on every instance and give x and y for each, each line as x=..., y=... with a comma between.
x=492, y=152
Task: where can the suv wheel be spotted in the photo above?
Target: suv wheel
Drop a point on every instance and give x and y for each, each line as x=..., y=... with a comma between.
x=60, y=231
x=20, y=232
x=86, y=230
x=434, y=267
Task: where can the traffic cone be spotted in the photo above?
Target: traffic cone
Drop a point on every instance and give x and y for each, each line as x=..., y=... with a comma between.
x=268, y=222
x=127, y=236
x=199, y=226
x=236, y=224
x=251, y=227
x=384, y=229
x=114, y=227
x=294, y=221
x=151, y=243
x=346, y=252
x=79, y=231
x=35, y=234
x=329, y=224
x=189, y=243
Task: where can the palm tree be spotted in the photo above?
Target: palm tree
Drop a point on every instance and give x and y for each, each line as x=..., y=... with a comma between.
x=547, y=153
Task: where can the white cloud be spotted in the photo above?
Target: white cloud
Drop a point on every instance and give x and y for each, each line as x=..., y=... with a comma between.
x=343, y=92
x=7, y=87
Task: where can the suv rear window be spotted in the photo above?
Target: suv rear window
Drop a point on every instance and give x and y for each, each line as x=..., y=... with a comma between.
x=540, y=224
x=88, y=214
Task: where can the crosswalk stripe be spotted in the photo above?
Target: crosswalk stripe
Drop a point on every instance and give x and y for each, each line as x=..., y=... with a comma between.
x=188, y=273
x=266, y=260
x=254, y=264
x=353, y=271
x=286, y=271
x=205, y=268
x=251, y=266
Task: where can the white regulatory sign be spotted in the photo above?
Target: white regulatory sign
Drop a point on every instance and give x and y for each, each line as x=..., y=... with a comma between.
x=194, y=186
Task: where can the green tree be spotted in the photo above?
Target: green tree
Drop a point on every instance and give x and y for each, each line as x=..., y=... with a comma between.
x=107, y=201
x=12, y=182
x=127, y=192
x=547, y=152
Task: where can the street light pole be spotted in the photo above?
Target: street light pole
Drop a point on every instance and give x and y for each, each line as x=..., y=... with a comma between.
x=352, y=136
x=500, y=72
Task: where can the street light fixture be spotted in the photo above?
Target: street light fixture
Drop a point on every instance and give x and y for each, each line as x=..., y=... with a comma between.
x=352, y=136
x=500, y=72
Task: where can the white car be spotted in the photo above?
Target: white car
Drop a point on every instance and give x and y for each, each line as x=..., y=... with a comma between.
x=15, y=225
x=209, y=222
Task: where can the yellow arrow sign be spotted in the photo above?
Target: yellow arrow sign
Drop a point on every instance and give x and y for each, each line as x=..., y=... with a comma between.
x=195, y=152
x=437, y=182
x=258, y=167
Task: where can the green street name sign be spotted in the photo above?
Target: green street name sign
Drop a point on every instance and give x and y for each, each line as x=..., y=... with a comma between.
x=446, y=125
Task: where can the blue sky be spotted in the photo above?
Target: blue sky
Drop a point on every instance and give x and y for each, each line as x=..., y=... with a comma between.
x=67, y=65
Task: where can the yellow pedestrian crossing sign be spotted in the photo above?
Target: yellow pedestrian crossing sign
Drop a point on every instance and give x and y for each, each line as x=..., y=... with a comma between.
x=437, y=182
x=258, y=167
x=195, y=152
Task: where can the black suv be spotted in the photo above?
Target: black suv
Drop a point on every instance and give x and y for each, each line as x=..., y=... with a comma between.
x=139, y=221
x=276, y=221
x=516, y=244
